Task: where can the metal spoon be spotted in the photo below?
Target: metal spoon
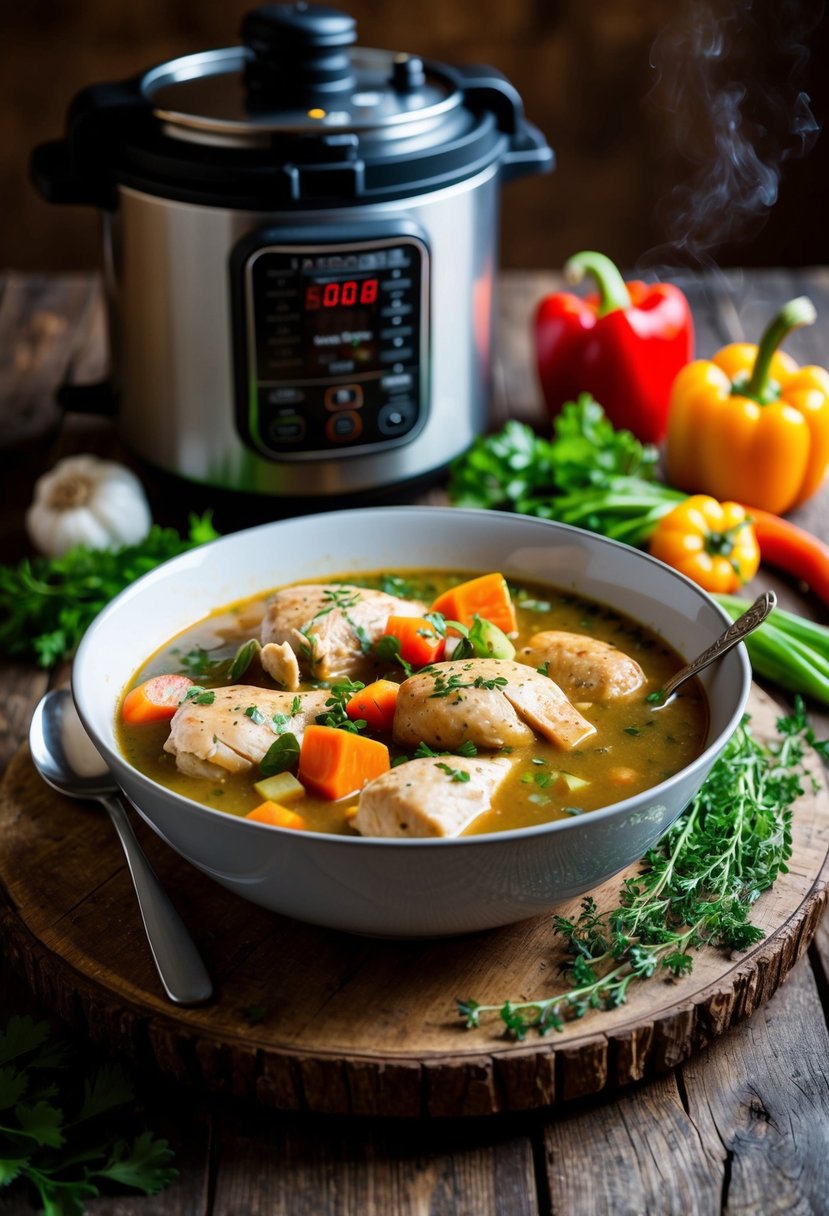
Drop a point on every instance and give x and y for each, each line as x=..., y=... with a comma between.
x=67, y=759
x=744, y=625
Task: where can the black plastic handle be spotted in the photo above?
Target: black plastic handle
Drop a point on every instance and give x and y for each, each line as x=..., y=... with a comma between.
x=485, y=88
x=97, y=397
x=78, y=168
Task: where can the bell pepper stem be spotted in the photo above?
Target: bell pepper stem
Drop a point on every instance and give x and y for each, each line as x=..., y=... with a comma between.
x=613, y=292
x=793, y=315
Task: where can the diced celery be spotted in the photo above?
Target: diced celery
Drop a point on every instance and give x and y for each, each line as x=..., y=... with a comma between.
x=282, y=787
x=571, y=781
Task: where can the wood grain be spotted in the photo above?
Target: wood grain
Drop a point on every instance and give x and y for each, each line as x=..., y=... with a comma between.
x=307, y=1019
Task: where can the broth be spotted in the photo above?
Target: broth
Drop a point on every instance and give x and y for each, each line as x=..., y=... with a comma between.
x=634, y=747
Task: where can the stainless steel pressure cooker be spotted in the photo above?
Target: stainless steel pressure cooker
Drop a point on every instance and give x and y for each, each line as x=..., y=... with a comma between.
x=300, y=242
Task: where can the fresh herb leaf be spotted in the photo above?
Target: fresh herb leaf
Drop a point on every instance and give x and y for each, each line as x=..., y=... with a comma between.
x=143, y=1164
x=695, y=888
x=457, y=774
x=199, y=695
x=64, y=1149
x=243, y=658
x=387, y=648
x=46, y=604
x=588, y=474
x=255, y=714
x=336, y=713
x=282, y=754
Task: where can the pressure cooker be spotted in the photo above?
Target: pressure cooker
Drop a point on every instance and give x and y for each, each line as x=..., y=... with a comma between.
x=300, y=245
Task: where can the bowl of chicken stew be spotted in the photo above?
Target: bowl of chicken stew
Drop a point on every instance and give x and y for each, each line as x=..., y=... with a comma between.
x=408, y=721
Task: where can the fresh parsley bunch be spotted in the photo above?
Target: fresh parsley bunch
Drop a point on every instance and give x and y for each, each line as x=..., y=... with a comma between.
x=588, y=474
x=64, y=1132
x=47, y=604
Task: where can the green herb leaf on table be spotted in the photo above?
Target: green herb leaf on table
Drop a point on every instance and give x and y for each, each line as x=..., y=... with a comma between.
x=63, y=1130
x=588, y=474
x=46, y=604
x=694, y=890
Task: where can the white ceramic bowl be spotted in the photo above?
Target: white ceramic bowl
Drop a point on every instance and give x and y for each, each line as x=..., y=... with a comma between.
x=406, y=888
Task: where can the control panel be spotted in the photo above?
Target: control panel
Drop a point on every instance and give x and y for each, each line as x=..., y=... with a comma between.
x=331, y=345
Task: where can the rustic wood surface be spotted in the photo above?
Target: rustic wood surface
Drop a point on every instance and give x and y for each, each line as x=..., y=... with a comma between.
x=346, y=1025
x=742, y=1126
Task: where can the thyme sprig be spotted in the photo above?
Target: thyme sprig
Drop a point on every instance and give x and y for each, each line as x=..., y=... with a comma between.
x=695, y=888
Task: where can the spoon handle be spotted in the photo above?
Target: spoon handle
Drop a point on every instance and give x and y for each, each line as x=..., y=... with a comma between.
x=745, y=624
x=179, y=964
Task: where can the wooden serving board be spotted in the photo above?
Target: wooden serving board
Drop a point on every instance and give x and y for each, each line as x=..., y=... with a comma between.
x=309, y=1019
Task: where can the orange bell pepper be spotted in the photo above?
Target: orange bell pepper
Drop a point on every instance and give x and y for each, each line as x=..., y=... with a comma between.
x=711, y=542
x=750, y=424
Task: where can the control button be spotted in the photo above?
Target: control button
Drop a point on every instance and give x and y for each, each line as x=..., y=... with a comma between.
x=396, y=284
x=285, y=396
x=343, y=425
x=398, y=257
x=396, y=308
x=339, y=367
x=402, y=381
x=290, y=429
x=403, y=355
x=395, y=418
x=343, y=396
x=399, y=331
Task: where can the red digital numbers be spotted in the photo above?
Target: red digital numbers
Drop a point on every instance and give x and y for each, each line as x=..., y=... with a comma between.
x=333, y=295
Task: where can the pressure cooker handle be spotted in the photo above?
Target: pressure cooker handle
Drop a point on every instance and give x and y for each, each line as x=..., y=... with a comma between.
x=76, y=169
x=96, y=397
x=485, y=88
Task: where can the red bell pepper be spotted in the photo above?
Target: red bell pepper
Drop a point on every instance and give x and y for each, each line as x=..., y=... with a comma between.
x=624, y=345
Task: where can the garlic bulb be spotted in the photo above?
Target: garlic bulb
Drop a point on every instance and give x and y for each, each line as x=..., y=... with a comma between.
x=87, y=501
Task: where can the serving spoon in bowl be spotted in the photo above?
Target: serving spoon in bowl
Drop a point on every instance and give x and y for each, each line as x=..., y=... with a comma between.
x=736, y=631
x=69, y=762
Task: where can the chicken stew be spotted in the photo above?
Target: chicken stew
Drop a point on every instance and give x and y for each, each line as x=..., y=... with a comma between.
x=412, y=704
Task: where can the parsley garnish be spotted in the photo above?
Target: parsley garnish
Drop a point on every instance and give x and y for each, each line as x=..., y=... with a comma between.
x=695, y=888
x=387, y=647
x=255, y=714
x=46, y=604
x=199, y=695
x=457, y=774
x=336, y=713
x=66, y=1132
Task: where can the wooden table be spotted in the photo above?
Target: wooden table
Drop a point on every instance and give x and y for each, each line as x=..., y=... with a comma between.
x=740, y=1128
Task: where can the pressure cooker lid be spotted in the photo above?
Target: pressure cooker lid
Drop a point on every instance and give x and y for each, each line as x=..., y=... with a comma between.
x=298, y=71
x=295, y=117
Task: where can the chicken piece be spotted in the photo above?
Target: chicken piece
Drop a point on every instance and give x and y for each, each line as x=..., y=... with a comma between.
x=585, y=668
x=330, y=627
x=424, y=798
x=280, y=663
x=492, y=702
x=221, y=738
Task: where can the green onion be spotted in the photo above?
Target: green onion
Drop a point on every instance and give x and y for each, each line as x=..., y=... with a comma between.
x=788, y=649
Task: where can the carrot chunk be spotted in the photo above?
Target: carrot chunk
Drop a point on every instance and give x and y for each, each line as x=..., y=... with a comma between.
x=335, y=763
x=375, y=704
x=279, y=816
x=420, y=644
x=487, y=596
x=155, y=699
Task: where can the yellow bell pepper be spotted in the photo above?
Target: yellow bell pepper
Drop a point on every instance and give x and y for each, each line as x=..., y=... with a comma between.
x=750, y=424
x=711, y=542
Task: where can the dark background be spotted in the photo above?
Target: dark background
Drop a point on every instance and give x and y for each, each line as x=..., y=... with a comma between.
x=681, y=127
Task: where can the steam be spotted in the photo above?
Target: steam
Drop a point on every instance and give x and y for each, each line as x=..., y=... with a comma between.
x=729, y=77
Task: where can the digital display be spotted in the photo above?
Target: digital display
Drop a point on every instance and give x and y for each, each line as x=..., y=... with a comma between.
x=341, y=294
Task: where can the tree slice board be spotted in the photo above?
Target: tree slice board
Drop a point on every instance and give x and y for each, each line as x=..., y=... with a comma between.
x=309, y=1019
